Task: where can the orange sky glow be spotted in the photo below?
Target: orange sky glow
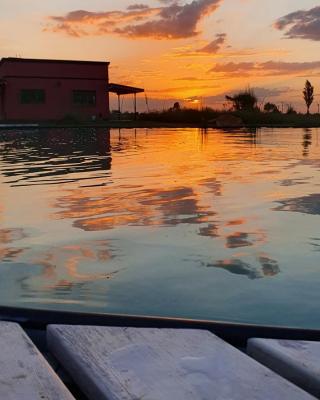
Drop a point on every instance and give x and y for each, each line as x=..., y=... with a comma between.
x=178, y=50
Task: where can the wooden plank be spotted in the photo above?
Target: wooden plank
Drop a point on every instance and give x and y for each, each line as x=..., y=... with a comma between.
x=162, y=364
x=297, y=361
x=24, y=373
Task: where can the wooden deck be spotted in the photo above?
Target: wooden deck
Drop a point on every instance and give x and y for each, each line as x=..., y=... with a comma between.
x=117, y=363
x=112, y=363
x=24, y=373
x=297, y=361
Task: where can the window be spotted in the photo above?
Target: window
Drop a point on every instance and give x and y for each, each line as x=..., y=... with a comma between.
x=84, y=97
x=32, y=96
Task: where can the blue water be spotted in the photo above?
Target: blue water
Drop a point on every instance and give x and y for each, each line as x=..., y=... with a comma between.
x=171, y=222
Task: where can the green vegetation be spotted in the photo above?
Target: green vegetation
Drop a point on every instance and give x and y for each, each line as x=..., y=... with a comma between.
x=244, y=101
x=308, y=95
x=181, y=116
x=244, y=106
x=270, y=107
x=256, y=118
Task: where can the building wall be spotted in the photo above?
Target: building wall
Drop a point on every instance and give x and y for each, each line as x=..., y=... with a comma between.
x=1, y=102
x=58, y=80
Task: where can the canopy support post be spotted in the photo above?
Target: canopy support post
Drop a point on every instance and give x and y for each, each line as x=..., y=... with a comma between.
x=119, y=107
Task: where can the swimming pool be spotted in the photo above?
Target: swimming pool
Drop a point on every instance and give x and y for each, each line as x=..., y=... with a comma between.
x=167, y=222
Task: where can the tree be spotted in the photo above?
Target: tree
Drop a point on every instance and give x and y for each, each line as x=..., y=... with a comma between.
x=291, y=110
x=271, y=108
x=308, y=95
x=244, y=101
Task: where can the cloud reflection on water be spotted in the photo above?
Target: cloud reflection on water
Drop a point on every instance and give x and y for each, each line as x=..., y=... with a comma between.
x=207, y=192
x=8, y=252
x=268, y=267
x=306, y=204
x=57, y=268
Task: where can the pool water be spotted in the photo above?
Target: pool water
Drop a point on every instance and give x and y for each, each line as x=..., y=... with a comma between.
x=168, y=222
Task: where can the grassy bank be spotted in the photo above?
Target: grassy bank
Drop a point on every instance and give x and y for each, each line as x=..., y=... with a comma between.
x=208, y=116
x=187, y=118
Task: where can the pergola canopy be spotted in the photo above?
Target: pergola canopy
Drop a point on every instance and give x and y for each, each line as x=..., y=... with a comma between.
x=123, y=89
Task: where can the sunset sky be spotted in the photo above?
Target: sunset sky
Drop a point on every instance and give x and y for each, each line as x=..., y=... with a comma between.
x=177, y=50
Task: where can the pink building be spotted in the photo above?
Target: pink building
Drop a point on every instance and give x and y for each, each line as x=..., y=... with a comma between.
x=32, y=90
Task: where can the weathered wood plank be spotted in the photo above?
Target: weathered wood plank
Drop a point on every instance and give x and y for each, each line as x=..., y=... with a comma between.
x=297, y=361
x=24, y=373
x=162, y=364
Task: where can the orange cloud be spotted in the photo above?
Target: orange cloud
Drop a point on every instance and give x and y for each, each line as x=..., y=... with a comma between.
x=191, y=52
x=172, y=21
x=269, y=68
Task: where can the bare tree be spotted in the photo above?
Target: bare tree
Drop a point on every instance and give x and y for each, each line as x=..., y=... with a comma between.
x=308, y=95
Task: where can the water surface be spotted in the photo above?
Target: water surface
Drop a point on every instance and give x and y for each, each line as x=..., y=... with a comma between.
x=171, y=222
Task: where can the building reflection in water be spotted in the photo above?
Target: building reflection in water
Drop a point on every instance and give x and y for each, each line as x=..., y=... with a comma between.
x=54, y=156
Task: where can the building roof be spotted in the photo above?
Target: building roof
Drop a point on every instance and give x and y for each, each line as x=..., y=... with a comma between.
x=123, y=89
x=42, y=60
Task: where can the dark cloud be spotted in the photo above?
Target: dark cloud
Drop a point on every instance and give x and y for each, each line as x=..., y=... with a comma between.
x=301, y=24
x=232, y=67
x=215, y=45
x=170, y=21
x=174, y=21
x=138, y=7
x=81, y=23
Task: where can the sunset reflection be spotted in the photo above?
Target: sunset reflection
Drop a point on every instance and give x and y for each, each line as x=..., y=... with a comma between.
x=61, y=266
x=8, y=249
x=130, y=221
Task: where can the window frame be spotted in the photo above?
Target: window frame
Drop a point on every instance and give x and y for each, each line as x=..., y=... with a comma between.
x=32, y=96
x=84, y=98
